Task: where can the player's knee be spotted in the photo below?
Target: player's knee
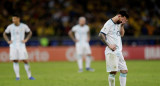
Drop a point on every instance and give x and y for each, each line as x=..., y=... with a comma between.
x=114, y=72
x=124, y=71
x=15, y=61
x=79, y=57
x=25, y=61
x=89, y=55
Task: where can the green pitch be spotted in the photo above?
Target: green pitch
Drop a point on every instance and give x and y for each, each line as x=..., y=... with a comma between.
x=141, y=73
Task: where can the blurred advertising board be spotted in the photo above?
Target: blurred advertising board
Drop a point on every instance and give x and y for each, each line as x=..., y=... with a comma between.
x=67, y=53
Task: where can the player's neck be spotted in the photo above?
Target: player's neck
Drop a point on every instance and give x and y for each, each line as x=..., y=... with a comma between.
x=81, y=25
x=17, y=24
x=114, y=19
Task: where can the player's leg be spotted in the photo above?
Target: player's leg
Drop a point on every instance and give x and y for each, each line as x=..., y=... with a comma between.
x=80, y=63
x=111, y=78
x=88, y=57
x=122, y=77
x=79, y=51
x=112, y=67
x=14, y=58
x=123, y=70
x=16, y=69
x=28, y=71
x=88, y=63
x=24, y=56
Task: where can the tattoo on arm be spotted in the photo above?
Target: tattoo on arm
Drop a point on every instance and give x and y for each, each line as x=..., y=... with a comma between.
x=103, y=38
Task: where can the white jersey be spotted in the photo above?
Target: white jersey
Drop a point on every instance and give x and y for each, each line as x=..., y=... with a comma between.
x=112, y=32
x=17, y=34
x=81, y=32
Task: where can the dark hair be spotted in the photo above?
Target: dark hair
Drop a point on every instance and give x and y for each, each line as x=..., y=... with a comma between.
x=123, y=13
x=16, y=15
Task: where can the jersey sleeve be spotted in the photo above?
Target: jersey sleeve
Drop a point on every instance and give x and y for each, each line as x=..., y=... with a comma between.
x=88, y=28
x=105, y=29
x=27, y=29
x=73, y=29
x=8, y=29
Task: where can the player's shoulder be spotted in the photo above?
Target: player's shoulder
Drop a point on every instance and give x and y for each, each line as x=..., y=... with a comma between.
x=10, y=25
x=23, y=24
x=86, y=26
x=74, y=26
x=77, y=25
x=109, y=22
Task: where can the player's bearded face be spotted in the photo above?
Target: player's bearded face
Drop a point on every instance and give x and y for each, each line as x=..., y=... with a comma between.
x=122, y=20
x=15, y=20
x=82, y=22
x=118, y=22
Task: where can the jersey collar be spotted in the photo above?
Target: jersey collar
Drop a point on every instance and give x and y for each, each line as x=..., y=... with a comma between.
x=113, y=21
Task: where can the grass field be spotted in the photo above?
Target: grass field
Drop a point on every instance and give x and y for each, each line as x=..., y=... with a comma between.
x=141, y=73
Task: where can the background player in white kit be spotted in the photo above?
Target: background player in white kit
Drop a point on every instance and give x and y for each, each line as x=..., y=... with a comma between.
x=17, y=44
x=111, y=34
x=81, y=36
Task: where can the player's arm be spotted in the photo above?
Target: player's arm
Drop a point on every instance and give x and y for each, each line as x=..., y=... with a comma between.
x=102, y=36
x=71, y=35
x=6, y=38
x=103, y=39
x=122, y=31
x=28, y=37
x=89, y=37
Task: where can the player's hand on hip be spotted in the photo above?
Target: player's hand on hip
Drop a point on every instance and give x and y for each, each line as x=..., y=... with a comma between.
x=88, y=40
x=112, y=47
x=24, y=41
x=75, y=40
x=9, y=42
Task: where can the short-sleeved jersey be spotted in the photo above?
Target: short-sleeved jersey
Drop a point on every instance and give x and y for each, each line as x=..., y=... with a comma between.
x=112, y=32
x=81, y=32
x=17, y=34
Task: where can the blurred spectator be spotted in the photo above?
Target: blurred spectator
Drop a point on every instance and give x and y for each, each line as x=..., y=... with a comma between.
x=56, y=17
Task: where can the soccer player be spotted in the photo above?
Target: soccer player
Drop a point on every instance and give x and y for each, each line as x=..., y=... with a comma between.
x=81, y=36
x=17, y=44
x=111, y=34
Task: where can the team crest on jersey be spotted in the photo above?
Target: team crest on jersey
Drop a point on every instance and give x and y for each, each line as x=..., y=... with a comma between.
x=118, y=33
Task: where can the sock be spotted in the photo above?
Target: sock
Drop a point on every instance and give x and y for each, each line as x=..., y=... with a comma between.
x=111, y=79
x=27, y=68
x=88, y=61
x=16, y=68
x=122, y=79
x=80, y=62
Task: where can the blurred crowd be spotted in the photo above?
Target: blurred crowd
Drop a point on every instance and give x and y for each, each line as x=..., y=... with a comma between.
x=56, y=17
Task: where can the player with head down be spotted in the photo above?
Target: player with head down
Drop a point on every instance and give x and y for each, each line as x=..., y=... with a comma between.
x=111, y=34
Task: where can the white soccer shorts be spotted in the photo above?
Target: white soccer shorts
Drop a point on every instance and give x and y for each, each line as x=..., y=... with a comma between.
x=18, y=53
x=115, y=62
x=83, y=48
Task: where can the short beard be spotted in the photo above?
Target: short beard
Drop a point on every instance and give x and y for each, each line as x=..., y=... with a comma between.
x=118, y=22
